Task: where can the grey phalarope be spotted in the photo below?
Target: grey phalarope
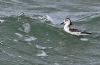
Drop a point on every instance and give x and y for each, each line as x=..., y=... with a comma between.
x=67, y=28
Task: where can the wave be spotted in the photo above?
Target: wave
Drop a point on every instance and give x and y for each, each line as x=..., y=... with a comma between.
x=24, y=38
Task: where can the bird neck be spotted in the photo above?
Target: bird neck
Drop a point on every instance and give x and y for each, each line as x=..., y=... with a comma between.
x=66, y=27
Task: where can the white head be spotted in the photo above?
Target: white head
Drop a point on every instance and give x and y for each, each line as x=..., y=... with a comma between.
x=67, y=21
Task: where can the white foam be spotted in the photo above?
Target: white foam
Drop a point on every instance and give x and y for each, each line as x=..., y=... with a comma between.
x=1, y=42
x=56, y=64
x=1, y=21
x=20, y=56
x=18, y=34
x=65, y=57
x=15, y=40
x=40, y=47
x=42, y=53
x=84, y=39
x=29, y=39
x=49, y=18
x=26, y=27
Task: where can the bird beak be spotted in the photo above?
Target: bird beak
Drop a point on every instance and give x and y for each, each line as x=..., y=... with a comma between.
x=62, y=23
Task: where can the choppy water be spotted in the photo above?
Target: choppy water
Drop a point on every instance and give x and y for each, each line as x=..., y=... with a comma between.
x=31, y=34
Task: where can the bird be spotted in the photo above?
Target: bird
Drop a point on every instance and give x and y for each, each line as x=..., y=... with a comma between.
x=73, y=31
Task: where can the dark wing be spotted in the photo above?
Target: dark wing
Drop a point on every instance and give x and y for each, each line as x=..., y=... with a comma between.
x=70, y=23
x=74, y=30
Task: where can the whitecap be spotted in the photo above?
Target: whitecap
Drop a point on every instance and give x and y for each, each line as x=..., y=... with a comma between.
x=29, y=39
x=1, y=21
x=20, y=56
x=56, y=64
x=15, y=40
x=49, y=18
x=26, y=27
x=18, y=34
x=43, y=53
x=84, y=39
x=40, y=47
x=1, y=42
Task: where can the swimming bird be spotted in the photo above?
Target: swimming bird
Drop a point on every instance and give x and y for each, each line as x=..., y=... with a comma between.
x=67, y=28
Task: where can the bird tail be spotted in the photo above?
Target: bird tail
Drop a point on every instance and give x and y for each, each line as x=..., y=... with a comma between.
x=86, y=32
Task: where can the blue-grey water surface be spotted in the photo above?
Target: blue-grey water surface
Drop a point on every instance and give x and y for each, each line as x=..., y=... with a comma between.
x=31, y=34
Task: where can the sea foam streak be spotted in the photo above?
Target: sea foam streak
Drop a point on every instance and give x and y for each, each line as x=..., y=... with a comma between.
x=43, y=53
x=26, y=27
